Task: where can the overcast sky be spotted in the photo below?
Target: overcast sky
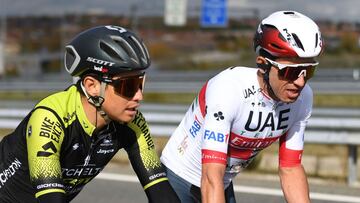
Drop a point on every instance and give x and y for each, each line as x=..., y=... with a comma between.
x=344, y=10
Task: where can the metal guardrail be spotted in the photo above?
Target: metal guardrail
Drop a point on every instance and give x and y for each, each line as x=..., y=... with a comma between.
x=326, y=126
x=330, y=81
x=337, y=87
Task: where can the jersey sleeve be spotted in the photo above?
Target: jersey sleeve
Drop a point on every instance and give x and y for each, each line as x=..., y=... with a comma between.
x=44, y=138
x=146, y=163
x=220, y=108
x=292, y=143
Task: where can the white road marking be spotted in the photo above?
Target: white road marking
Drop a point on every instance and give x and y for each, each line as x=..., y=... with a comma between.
x=245, y=189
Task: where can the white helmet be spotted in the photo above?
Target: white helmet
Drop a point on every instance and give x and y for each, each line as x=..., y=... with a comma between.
x=288, y=34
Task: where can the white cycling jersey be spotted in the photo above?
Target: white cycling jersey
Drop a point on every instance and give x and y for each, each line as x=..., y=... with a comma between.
x=231, y=121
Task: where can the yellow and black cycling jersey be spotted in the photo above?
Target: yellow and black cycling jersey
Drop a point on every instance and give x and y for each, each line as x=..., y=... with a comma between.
x=56, y=149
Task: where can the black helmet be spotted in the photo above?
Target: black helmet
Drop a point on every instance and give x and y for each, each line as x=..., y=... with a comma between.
x=106, y=50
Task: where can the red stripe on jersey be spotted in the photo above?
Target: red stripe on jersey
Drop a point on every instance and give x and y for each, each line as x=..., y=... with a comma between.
x=202, y=100
x=288, y=157
x=265, y=95
x=243, y=147
x=210, y=156
x=240, y=153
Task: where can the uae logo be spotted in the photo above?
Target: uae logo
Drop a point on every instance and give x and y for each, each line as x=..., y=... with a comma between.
x=219, y=116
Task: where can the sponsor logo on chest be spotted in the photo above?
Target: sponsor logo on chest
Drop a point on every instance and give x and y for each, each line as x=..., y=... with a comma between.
x=259, y=121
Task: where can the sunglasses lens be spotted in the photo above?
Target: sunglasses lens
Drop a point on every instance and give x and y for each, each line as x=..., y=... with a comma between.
x=292, y=73
x=128, y=87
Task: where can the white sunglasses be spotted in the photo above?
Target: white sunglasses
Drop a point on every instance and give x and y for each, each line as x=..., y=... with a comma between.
x=293, y=71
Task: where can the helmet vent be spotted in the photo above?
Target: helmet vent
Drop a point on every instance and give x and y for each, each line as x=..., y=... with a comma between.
x=275, y=46
x=69, y=57
x=316, y=39
x=109, y=51
x=282, y=37
x=298, y=42
x=130, y=52
x=289, y=13
x=144, y=54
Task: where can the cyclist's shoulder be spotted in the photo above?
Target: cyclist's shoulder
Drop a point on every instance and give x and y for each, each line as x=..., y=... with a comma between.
x=231, y=83
x=305, y=98
x=238, y=74
x=60, y=102
x=138, y=129
x=307, y=90
x=241, y=70
x=139, y=122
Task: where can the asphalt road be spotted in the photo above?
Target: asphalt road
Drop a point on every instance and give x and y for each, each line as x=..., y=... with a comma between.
x=118, y=184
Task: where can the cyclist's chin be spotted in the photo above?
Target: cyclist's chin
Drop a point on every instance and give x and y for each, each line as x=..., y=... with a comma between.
x=126, y=118
x=288, y=96
x=289, y=99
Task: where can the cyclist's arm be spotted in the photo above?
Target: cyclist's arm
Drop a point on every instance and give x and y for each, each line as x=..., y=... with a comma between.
x=292, y=175
x=212, y=186
x=44, y=136
x=55, y=197
x=221, y=107
x=294, y=184
x=146, y=163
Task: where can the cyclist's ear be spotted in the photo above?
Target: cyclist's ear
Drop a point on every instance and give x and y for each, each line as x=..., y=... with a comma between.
x=91, y=86
x=262, y=64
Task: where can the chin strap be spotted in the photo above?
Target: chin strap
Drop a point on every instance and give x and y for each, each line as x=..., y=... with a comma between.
x=266, y=68
x=97, y=101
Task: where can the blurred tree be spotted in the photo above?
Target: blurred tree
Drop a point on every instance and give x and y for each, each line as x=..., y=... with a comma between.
x=349, y=42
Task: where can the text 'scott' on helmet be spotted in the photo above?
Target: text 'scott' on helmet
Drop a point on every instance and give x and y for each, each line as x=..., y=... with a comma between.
x=288, y=34
x=106, y=50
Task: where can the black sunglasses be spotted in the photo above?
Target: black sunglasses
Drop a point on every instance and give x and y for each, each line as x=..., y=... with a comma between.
x=128, y=86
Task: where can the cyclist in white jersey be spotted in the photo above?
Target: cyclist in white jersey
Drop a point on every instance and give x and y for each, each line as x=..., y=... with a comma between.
x=243, y=110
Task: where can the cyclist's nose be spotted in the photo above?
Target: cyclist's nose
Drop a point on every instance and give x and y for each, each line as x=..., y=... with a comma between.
x=300, y=81
x=138, y=95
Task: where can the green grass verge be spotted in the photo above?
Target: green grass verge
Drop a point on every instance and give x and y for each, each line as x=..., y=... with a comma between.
x=337, y=100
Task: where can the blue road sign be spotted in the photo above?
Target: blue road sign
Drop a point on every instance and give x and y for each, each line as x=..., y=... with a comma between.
x=213, y=13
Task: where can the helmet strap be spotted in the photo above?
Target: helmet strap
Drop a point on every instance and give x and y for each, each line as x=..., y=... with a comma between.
x=267, y=84
x=97, y=101
x=265, y=67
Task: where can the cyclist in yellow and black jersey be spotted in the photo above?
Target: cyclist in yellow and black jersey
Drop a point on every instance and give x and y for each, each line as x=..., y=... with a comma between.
x=70, y=136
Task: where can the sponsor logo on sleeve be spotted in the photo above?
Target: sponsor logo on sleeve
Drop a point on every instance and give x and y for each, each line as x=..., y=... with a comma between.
x=29, y=131
x=211, y=156
x=219, y=116
x=51, y=129
x=158, y=175
x=49, y=149
x=215, y=136
x=195, y=127
x=49, y=185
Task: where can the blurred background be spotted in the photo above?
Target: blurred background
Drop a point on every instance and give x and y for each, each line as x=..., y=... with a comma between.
x=189, y=41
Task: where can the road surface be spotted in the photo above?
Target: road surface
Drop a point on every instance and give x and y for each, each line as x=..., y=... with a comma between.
x=117, y=183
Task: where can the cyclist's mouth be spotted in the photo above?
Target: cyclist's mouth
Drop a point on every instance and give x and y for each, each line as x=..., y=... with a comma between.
x=293, y=92
x=132, y=109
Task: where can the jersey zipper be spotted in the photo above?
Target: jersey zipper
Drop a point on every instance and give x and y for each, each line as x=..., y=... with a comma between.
x=88, y=157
